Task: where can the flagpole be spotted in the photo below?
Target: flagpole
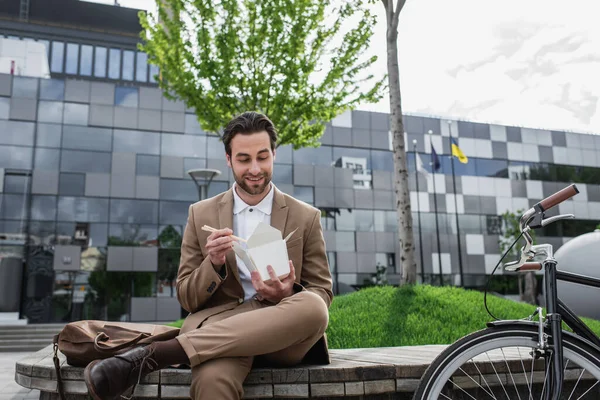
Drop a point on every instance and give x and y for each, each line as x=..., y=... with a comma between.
x=460, y=265
x=437, y=225
x=418, y=210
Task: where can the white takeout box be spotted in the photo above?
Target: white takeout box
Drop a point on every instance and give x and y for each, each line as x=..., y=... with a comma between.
x=265, y=247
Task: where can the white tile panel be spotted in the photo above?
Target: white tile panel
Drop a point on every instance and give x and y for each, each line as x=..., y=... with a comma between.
x=573, y=140
x=587, y=141
x=450, y=203
x=498, y=133
x=529, y=135
x=503, y=204
x=566, y=207
x=343, y=120
x=437, y=144
x=467, y=145
x=502, y=187
x=515, y=151
x=423, y=202
x=446, y=125
x=582, y=196
x=597, y=141
x=474, y=244
x=486, y=185
x=574, y=156
x=520, y=203
x=440, y=183
x=483, y=148
x=589, y=157
x=544, y=138
x=446, y=263
x=470, y=185
x=531, y=153
x=490, y=263
x=560, y=155
x=594, y=209
x=534, y=189
x=581, y=210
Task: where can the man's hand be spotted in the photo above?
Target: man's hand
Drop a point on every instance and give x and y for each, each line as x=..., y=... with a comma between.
x=218, y=244
x=274, y=290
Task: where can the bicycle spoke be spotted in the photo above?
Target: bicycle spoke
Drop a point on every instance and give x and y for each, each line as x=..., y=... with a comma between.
x=511, y=375
x=525, y=374
x=545, y=376
x=485, y=380
x=464, y=391
x=477, y=383
x=497, y=376
x=576, y=383
x=586, y=392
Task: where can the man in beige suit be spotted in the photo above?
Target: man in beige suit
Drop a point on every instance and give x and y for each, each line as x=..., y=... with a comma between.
x=236, y=319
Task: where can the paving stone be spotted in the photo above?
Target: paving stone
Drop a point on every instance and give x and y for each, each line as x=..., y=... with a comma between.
x=382, y=386
x=327, y=389
x=291, y=390
x=354, y=388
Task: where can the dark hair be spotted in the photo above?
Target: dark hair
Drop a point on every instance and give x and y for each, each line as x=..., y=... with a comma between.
x=248, y=123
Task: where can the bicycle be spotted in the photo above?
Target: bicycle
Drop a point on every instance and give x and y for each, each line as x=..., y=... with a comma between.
x=532, y=358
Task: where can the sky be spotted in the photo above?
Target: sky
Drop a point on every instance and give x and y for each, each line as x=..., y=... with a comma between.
x=532, y=63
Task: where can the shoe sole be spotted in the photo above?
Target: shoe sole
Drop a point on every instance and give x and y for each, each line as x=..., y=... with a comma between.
x=88, y=380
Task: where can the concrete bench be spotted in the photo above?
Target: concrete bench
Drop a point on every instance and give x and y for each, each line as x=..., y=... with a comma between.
x=372, y=373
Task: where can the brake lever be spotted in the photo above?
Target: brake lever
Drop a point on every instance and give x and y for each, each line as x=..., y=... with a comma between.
x=550, y=220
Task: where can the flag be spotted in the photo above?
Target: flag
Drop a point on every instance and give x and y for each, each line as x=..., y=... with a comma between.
x=420, y=168
x=458, y=153
x=435, y=160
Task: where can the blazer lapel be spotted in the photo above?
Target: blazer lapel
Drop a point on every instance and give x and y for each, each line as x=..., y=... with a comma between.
x=226, y=221
x=279, y=212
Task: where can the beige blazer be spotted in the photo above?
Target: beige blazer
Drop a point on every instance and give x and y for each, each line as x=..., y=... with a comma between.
x=202, y=291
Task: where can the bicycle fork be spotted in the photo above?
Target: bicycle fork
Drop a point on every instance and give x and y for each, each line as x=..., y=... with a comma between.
x=555, y=321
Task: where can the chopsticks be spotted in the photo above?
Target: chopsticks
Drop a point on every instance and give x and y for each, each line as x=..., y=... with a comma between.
x=211, y=229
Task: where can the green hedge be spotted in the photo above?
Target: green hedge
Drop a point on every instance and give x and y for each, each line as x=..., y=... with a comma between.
x=414, y=315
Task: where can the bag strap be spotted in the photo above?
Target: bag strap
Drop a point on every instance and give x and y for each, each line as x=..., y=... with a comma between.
x=102, y=348
x=59, y=381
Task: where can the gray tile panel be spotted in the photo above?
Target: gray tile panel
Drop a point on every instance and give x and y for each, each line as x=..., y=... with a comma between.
x=380, y=140
x=77, y=91
x=363, y=198
x=5, y=85
x=499, y=150
x=472, y=204
x=380, y=121
x=122, y=179
x=546, y=154
x=173, y=105
x=44, y=182
x=475, y=264
x=97, y=185
x=119, y=258
x=101, y=115
x=384, y=200
x=304, y=175
x=171, y=167
x=593, y=192
x=23, y=109
x=366, y=263
x=361, y=138
x=147, y=187
x=344, y=198
x=518, y=188
x=490, y=244
x=343, y=178
x=327, y=137
x=125, y=117
x=167, y=308
x=513, y=134
x=385, y=242
x=143, y=309
x=324, y=197
x=346, y=262
x=481, y=131
x=151, y=98
x=149, y=120
x=342, y=136
x=67, y=258
x=145, y=259
x=488, y=205
x=173, y=121
x=431, y=124
x=324, y=176
x=365, y=242
x=382, y=180
x=102, y=93
x=420, y=138
x=361, y=119
x=449, y=184
x=549, y=188
x=413, y=124
x=221, y=165
x=559, y=139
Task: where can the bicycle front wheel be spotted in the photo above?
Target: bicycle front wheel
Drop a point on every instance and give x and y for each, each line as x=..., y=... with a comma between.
x=506, y=363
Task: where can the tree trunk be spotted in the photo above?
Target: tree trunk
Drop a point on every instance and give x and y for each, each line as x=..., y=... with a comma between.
x=405, y=224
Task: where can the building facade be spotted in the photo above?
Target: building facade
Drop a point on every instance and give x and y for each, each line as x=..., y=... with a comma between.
x=94, y=189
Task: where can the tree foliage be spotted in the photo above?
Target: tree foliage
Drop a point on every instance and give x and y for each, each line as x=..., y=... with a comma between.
x=294, y=60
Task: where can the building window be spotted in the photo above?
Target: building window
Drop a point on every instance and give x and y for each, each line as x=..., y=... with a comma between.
x=153, y=73
x=85, y=63
x=126, y=96
x=128, y=65
x=141, y=68
x=58, y=53
x=114, y=64
x=72, y=58
x=100, y=62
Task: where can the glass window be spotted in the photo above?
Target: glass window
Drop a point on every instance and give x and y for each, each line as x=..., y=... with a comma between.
x=183, y=145
x=382, y=160
x=153, y=73
x=315, y=156
x=519, y=170
x=174, y=212
x=141, y=67
x=85, y=161
x=70, y=184
x=364, y=220
x=379, y=221
x=283, y=174
x=48, y=135
x=469, y=223
x=13, y=207
x=214, y=148
x=192, y=126
x=131, y=234
x=128, y=65
x=216, y=188
x=16, y=157
x=134, y=211
x=72, y=58
x=339, y=152
x=47, y=159
x=193, y=163
x=4, y=107
x=16, y=133
x=50, y=111
x=344, y=220
x=126, y=96
x=344, y=241
x=25, y=87
x=126, y=141
x=460, y=169
x=76, y=114
x=493, y=168
x=100, y=62
x=44, y=231
x=43, y=208
x=87, y=138
x=147, y=165
x=391, y=221
x=58, y=53
x=114, y=64
x=98, y=234
x=46, y=44
x=305, y=194
x=178, y=189
x=14, y=183
x=52, y=89
x=82, y=209
x=85, y=64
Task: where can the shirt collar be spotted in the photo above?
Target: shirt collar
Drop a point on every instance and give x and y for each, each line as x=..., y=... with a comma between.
x=265, y=205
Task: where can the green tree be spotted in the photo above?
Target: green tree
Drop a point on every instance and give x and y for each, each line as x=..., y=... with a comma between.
x=169, y=254
x=527, y=282
x=294, y=60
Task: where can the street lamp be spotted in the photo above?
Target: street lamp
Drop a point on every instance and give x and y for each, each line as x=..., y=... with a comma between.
x=202, y=178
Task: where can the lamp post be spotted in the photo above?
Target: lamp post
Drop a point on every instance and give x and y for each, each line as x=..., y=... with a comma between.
x=202, y=177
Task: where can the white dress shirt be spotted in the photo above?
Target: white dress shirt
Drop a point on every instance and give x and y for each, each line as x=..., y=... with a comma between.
x=245, y=220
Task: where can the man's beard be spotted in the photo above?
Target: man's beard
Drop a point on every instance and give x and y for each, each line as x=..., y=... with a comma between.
x=253, y=189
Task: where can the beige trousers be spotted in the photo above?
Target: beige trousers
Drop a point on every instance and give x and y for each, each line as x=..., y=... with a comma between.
x=222, y=350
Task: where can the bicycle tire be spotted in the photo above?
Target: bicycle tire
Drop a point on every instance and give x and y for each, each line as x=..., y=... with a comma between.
x=436, y=382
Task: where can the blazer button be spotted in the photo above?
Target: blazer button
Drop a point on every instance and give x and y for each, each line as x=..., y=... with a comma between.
x=240, y=300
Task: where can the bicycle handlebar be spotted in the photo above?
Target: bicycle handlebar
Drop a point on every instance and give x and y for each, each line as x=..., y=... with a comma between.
x=557, y=198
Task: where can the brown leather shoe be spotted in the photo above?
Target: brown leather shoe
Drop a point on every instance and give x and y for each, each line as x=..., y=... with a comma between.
x=108, y=379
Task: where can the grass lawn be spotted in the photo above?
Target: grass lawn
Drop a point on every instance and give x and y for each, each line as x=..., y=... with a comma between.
x=414, y=315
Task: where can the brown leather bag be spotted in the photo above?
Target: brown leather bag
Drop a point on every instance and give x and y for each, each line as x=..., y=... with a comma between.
x=85, y=341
